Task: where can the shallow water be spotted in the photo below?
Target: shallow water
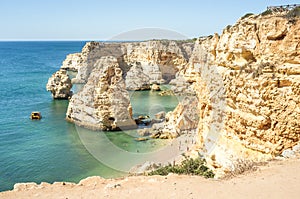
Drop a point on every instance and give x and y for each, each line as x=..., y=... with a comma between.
x=52, y=149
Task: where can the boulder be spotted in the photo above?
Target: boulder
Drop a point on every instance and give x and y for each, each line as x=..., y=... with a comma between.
x=166, y=93
x=59, y=84
x=144, y=132
x=155, y=87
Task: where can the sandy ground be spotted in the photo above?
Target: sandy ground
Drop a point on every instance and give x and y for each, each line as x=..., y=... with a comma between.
x=277, y=179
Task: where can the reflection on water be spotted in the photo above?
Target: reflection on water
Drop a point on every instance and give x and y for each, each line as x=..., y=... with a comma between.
x=150, y=102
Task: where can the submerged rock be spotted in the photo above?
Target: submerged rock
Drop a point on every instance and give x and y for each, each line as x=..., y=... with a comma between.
x=103, y=103
x=166, y=93
x=59, y=84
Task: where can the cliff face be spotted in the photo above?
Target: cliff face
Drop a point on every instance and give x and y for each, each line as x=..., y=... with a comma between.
x=103, y=103
x=247, y=82
x=159, y=59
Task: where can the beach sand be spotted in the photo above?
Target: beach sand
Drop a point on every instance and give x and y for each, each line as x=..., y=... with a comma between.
x=276, y=179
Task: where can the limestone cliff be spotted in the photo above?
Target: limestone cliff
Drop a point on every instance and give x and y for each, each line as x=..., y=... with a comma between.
x=141, y=64
x=159, y=60
x=103, y=103
x=247, y=81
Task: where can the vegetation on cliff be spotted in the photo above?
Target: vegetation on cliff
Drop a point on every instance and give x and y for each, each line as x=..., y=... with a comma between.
x=188, y=167
x=294, y=13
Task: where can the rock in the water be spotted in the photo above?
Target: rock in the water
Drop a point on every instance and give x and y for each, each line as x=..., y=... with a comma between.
x=142, y=139
x=166, y=93
x=59, y=84
x=103, y=103
x=144, y=132
x=155, y=87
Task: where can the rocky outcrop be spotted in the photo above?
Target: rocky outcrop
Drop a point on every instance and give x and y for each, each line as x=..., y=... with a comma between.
x=158, y=60
x=83, y=62
x=59, y=84
x=183, y=120
x=141, y=64
x=103, y=103
x=247, y=82
x=73, y=62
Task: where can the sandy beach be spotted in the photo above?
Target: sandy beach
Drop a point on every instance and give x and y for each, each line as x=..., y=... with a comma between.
x=276, y=179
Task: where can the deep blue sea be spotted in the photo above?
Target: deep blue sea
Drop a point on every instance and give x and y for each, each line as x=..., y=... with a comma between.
x=52, y=149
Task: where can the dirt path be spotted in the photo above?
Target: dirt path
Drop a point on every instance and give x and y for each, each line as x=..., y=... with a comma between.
x=279, y=179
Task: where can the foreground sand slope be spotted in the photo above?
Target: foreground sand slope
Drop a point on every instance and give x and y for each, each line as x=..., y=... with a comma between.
x=279, y=179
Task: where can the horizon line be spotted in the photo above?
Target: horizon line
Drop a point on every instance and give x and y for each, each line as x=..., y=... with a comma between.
x=97, y=40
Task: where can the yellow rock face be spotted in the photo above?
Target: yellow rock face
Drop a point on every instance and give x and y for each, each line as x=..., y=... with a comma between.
x=248, y=83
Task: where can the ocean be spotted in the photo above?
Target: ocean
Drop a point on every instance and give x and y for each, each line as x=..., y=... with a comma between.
x=52, y=149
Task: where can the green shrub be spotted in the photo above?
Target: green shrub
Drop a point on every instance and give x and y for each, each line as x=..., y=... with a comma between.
x=267, y=12
x=188, y=167
x=227, y=28
x=247, y=15
x=294, y=13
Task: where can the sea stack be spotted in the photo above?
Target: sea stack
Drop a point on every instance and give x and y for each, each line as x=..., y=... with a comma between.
x=103, y=103
x=59, y=84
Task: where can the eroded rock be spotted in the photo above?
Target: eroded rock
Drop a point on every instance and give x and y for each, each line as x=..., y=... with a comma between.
x=59, y=84
x=136, y=79
x=103, y=103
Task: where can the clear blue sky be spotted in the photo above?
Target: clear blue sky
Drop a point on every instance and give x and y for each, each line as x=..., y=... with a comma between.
x=100, y=20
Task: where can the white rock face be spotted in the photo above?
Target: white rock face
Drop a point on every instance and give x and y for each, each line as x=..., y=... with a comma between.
x=159, y=60
x=136, y=79
x=59, y=84
x=73, y=62
x=103, y=103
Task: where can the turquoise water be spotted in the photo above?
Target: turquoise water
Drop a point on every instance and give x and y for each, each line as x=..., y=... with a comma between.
x=52, y=149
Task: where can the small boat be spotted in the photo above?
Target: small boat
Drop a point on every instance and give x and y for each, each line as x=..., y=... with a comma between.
x=36, y=115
